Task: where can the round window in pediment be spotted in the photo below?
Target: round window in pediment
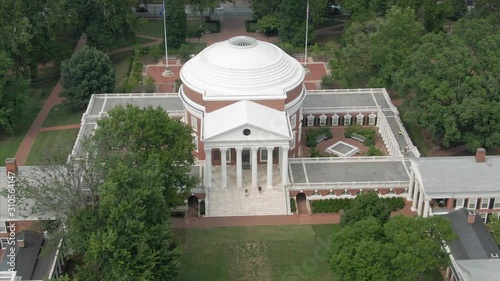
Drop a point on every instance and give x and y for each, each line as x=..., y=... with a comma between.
x=247, y=132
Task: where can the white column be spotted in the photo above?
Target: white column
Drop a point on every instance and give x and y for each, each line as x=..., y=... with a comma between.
x=239, y=180
x=284, y=166
x=270, y=167
x=410, y=189
x=223, y=167
x=208, y=167
x=426, y=208
x=420, y=203
x=415, y=196
x=254, y=167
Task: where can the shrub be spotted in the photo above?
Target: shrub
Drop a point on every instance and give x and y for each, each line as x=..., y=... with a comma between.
x=312, y=134
x=251, y=25
x=335, y=205
x=216, y=22
x=293, y=206
x=373, y=151
x=327, y=82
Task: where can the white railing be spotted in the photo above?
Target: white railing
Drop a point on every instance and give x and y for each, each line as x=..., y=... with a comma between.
x=346, y=159
x=317, y=109
x=349, y=185
x=347, y=91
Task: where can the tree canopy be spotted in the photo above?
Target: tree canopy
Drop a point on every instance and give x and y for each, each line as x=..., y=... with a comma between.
x=12, y=95
x=175, y=15
x=366, y=205
x=401, y=249
x=87, y=72
x=454, y=81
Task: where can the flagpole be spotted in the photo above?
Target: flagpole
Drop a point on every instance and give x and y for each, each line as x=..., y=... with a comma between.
x=307, y=32
x=168, y=72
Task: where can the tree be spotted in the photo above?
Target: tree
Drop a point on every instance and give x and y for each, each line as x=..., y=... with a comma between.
x=459, y=9
x=366, y=205
x=292, y=22
x=87, y=72
x=106, y=22
x=132, y=240
x=453, y=84
x=487, y=9
x=401, y=249
x=262, y=8
x=12, y=95
x=397, y=36
x=494, y=227
x=175, y=15
x=269, y=24
x=134, y=134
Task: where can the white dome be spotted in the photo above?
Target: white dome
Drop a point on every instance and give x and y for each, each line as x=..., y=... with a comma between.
x=242, y=67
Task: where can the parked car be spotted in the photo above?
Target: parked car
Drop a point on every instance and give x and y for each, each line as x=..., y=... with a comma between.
x=141, y=10
x=220, y=8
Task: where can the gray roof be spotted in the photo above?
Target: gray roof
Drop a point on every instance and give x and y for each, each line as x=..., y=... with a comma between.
x=29, y=264
x=24, y=171
x=479, y=270
x=352, y=171
x=473, y=239
x=370, y=97
x=460, y=176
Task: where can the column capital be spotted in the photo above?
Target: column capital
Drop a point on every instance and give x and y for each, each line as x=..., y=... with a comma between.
x=208, y=150
x=254, y=149
x=270, y=148
x=223, y=149
x=284, y=148
x=239, y=149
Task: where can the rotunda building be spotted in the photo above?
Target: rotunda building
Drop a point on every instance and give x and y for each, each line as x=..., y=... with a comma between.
x=243, y=99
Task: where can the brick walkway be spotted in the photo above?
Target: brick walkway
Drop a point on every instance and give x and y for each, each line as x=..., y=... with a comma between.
x=205, y=222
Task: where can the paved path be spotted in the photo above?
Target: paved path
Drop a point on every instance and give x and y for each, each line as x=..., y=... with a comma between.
x=57, y=128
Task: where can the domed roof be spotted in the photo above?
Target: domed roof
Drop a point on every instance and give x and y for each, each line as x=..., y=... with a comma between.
x=242, y=67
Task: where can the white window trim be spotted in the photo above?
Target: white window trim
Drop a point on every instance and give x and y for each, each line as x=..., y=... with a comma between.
x=228, y=155
x=293, y=120
x=347, y=120
x=462, y=200
x=310, y=121
x=335, y=120
x=260, y=155
x=322, y=120
x=469, y=203
x=371, y=119
x=484, y=216
x=4, y=241
x=4, y=227
x=194, y=123
x=360, y=119
x=487, y=203
x=294, y=137
x=496, y=204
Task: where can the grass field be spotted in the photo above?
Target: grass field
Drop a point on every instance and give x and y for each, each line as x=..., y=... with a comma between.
x=152, y=28
x=255, y=253
x=62, y=140
x=259, y=253
x=120, y=64
x=36, y=98
x=137, y=40
x=62, y=115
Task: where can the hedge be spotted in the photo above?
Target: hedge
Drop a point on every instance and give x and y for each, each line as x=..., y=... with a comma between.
x=217, y=24
x=251, y=25
x=335, y=205
x=293, y=207
x=373, y=151
x=368, y=133
x=312, y=134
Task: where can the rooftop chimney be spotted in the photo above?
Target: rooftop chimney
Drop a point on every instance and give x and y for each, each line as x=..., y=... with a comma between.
x=20, y=243
x=471, y=217
x=11, y=165
x=481, y=155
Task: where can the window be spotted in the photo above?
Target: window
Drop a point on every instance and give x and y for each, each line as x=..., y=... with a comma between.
x=347, y=120
x=322, y=120
x=459, y=203
x=472, y=203
x=484, y=216
x=3, y=228
x=3, y=243
x=310, y=121
x=345, y=193
x=485, y=203
x=315, y=193
x=371, y=119
x=331, y=193
x=194, y=123
x=390, y=192
x=496, y=205
x=263, y=154
x=228, y=155
x=293, y=120
x=195, y=142
x=359, y=119
x=335, y=120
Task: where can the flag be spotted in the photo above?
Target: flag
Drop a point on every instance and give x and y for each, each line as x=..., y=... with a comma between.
x=162, y=8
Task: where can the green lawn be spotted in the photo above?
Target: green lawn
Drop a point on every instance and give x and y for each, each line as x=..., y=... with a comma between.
x=255, y=253
x=120, y=64
x=62, y=115
x=137, y=40
x=291, y=252
x=152, y=28
x=10, y=143
x=48, y=142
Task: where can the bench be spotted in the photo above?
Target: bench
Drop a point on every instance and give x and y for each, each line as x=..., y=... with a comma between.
x=321, y=138
x=358, y=137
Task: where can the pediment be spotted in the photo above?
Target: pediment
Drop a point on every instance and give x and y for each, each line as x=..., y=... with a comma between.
x=248, y=133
